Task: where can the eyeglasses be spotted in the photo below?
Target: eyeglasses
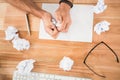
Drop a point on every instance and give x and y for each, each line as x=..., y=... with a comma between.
x=92, y=50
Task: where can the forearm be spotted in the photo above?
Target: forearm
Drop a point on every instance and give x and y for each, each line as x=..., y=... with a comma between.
x=28, y=6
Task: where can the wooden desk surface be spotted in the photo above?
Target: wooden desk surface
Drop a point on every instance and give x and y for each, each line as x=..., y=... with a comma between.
x=48, y=53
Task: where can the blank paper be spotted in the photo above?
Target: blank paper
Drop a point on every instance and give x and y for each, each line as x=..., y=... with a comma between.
x=81, y=27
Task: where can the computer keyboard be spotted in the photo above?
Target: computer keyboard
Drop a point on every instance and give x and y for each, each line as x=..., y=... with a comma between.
x=43, y=76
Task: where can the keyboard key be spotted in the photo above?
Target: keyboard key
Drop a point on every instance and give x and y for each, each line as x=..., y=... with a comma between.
x=43, y=76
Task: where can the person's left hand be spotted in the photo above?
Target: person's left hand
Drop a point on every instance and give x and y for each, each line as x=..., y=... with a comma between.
x=62, y=15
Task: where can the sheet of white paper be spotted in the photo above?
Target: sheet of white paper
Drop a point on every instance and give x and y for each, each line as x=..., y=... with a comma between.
x=81, y=27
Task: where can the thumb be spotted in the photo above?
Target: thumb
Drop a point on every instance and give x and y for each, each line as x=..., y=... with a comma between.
x=58, y=18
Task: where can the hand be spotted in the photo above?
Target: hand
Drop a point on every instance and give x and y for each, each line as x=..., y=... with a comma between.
x=30, y=7
x=49, y=26
x=62, y=16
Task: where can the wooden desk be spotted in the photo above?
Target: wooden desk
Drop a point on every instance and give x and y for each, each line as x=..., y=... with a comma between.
x=48, y=53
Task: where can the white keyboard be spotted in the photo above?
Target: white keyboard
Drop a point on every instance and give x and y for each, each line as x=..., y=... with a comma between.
x=43, y=76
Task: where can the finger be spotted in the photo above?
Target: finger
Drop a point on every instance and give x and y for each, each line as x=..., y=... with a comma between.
x=58, y=18
x=52, y=31
x=67, y=27
x=55, y=33
x=62, y=27
x=48, y=29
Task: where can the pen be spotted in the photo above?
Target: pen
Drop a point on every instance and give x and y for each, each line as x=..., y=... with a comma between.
x=27, y=23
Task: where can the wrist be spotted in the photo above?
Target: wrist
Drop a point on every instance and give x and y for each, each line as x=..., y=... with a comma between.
x=64, y=6
x=68, y=2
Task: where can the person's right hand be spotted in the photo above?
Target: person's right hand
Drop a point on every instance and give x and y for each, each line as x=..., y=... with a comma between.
x=30, y=7
x=49, y=26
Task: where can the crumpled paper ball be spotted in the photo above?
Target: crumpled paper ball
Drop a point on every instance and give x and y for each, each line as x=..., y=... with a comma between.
x=25, y=66
x=66, y=63
x=10, y=33
x=101, y=27
x=100, y=7
x=20, y=44
x=57, y=24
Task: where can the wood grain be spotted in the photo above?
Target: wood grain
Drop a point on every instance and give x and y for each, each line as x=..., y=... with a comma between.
x=48, y=53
